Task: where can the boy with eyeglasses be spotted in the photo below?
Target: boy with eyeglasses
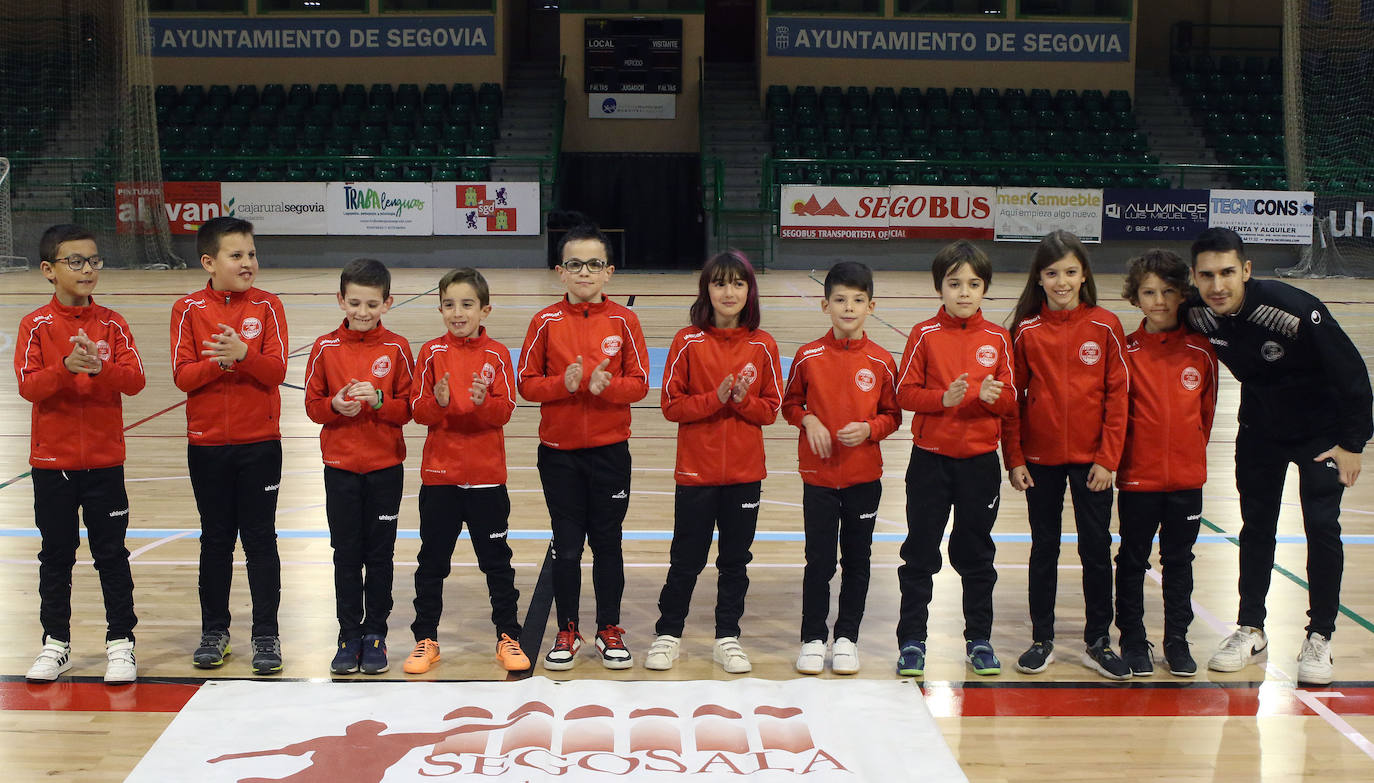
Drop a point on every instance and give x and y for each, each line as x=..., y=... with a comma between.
x=74, y=358
x=584, y=362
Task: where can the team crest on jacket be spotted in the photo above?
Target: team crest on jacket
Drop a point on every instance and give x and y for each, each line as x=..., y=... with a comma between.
x=1090, y=353
x=381, y=366
x=1190, y=378
x=611, y=345
x=865, y=379
x=986, y=355
x=488, y=374
x=250, y=328
x=1271, y=351
x=102, y=349
x=749, y=373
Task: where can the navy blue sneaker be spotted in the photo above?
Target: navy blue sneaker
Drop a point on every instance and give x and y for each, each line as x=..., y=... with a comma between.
x=1036, y=658
x=347, y=658
x=374, y=654
x=981, y=657
x=911, y=659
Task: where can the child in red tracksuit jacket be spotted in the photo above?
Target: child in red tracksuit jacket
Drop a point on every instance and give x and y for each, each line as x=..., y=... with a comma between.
x=229, y=355
x=584, y=361
x=957, y=380
x=357, y=385
x=1164, y=464
x=1072, y=382
x=721, y=384
x=74, y=358
x=842, y=395
x=465, y=393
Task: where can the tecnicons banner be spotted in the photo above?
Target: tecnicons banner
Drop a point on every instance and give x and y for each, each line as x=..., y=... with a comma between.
x=1028, y=214
x=380, y=208
x=277, y=208
x=579, y=731
x=1273, y=217
x=486, y=208
x=1154, y=214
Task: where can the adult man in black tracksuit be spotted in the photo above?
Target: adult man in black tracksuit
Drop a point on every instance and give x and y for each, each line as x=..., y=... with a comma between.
x=1304, y=398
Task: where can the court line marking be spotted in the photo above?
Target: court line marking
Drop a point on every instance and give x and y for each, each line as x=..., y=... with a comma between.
x=1310, y=700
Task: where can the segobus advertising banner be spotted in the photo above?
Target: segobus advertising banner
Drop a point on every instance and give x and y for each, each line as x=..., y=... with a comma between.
x=896, y=212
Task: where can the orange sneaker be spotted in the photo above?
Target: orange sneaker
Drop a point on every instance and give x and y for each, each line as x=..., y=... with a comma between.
x=423, y=657
x=510, y=656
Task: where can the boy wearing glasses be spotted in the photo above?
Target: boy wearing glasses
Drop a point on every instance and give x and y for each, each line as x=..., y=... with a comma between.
x=584, y=361
x=74, y=358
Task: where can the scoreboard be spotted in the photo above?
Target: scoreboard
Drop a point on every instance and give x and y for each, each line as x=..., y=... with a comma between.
x=633, y=55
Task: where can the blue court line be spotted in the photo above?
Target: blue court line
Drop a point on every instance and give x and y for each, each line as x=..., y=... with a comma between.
x=665, y=535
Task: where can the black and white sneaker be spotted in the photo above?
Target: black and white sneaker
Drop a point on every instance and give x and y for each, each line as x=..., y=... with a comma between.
x=1036, y=658
x=209, y=654
x=54, y=659
x=1139, y=657
x=1102, y=659
x=1179, y=659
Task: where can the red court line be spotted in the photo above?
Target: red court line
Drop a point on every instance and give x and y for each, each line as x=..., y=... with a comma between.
x=1122, y=701
x=96, y=697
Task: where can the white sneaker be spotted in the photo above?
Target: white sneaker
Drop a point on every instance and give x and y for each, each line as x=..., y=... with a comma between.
x=1315, y=661
x=844, y=657
x=811, y=660
x=52, y=660
x=1239, y=649
x=662, y=653
x=121, y=668
x=730, y=655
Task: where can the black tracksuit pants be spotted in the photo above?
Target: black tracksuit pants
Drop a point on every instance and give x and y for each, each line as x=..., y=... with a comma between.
x=443, y=510
x=733, y=509
x=236, y=494
x=587, y=492
x=99, y=495
x=1092, y=514
x=843, y=519
x=934, y=484
x=362, y=509
x=1260, y=467
x=1177, y=516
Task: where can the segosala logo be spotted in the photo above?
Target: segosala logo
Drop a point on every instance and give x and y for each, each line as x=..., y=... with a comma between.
x=370, y=200
x=588, y=741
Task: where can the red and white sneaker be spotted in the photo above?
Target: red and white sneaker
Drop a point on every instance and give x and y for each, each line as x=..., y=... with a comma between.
x=612, y=648
x=566, y=647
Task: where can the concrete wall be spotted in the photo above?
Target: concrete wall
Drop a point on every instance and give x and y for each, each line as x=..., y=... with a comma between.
x=584, y=134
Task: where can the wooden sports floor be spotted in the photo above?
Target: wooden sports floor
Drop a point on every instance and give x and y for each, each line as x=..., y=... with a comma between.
x=1066, y=724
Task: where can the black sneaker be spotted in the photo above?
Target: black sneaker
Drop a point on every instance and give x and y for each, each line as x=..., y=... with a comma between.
x=374, y=654
x=214, y=645
x=346, y=659
x=1100, y=658
x=1139, y=657
x=1037, y=658
x=1179, y=658
x=266, y=654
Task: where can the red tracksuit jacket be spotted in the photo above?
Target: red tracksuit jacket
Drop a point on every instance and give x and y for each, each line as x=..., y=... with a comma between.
x=1072, y=381
x=373, y=439
x=720, y=442
x=466, y=445
x=78, y=419
x=241, y=404
x=842, y=381
x=940, y=350
x=560, y=333
x=1173, y=399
